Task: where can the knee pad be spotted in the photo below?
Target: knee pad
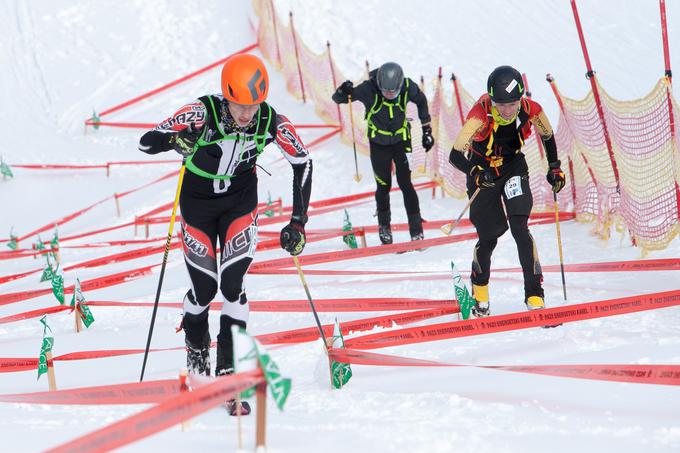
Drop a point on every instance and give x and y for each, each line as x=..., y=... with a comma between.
x=196, y=307
x=238, y=310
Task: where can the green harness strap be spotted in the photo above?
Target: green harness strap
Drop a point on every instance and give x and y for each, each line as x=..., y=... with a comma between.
x=401, y=104
x=259, y=138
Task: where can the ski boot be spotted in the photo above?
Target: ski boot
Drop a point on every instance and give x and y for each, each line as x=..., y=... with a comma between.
x=534, y=303
x=385, y=234
x=481, y=295
x=198, y=356
x=232, y=405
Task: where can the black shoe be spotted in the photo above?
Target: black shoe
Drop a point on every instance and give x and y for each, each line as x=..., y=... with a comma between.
x=481, y=309
x=198, y=359
x=233, y=408
x=385, y=233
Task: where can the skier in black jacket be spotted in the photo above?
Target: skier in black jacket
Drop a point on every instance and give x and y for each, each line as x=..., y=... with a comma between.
x=384, y=96
x=221, y=136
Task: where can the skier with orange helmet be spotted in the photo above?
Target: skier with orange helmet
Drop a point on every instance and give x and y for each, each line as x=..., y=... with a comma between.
x=220, y=137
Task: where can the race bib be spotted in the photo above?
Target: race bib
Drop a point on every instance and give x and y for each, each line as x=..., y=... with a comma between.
x=513, y=188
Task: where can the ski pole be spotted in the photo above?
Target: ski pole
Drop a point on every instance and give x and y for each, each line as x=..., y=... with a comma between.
x=357, y=176
x=449, y=227
x=559, y=244
x=309, y=298
x=165, y=260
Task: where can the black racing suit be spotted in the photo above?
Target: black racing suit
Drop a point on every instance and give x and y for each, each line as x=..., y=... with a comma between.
x=485, y=143
x=389, y=135
x=218, y=200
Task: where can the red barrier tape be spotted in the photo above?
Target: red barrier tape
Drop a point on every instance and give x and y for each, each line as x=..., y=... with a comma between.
x=639, y=374
x=515, y=321
x=278, y=306
x=87, y=167
x=662, y=264
x=307, y=334
x=87, y=285
x=14, y=364
x=172, y=84
x=134, y=393
x=168, y=413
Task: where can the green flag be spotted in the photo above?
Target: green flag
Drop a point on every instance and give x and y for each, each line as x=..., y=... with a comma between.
x=58, y=284
x=47, y=343
x=463, y=296
x=54, y=244
x=269, y=212
x=48, y=273
x=12, y=244
x=5, y=170
x=248, y=354
x=77, y=303
x=348, y=239
x=96, y=120
x=40, y=245
x=341, y=372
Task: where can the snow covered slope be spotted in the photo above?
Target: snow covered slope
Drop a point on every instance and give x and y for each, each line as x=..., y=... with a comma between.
x=62, y=61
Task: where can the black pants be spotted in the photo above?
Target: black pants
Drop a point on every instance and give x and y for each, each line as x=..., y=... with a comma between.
x=382, y=157
x=231, y=219
x=489, y=219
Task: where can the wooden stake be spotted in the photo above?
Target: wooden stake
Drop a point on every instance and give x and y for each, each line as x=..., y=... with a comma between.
x=238, y=421
x=280, y=206
x=261, y=424
x=184, y=387
x=50, y=372
x=115, y=196
x=79, y=321
x=362, y=232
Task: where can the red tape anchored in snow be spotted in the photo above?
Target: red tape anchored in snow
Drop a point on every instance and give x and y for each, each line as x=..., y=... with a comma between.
x=639, y=374
x=515, y=321
x=170, y=412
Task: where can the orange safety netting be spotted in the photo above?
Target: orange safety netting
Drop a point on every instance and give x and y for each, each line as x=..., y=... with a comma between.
x=645, y=200
x=638, y=189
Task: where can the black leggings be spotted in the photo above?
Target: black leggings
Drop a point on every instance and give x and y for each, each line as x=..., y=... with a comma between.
x=231, y=219
x=489, y=218
x=382, y=157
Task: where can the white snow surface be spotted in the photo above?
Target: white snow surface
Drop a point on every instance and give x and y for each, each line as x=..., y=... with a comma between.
x=63, y=60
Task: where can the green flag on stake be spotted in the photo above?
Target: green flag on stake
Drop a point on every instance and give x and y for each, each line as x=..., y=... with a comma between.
x=348, y=239
x=48, y=273
x=248, y=353
x=463, y=296
x=341, y=372
x=58, y=284
x=47, y=343
x=12, y=244
x=269, y=212
x=96, y=120
x=40, y=245
x=77, y=302
x=5, y=170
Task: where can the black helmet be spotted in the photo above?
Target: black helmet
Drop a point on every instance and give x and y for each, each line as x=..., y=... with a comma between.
x=505, y=85
x=390, y=77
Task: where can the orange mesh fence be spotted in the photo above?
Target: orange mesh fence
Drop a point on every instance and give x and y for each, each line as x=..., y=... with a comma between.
x=644, y=200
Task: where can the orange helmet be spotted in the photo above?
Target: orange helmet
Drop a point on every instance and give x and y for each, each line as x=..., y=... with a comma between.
x=245, y=80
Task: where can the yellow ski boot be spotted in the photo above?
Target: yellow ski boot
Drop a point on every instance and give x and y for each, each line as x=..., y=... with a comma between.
x=481, y=295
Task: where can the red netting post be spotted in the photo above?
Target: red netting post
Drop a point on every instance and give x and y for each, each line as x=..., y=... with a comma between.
x=551, y=80
x=669, y=78
x=297, y=57
x=573, y=186
x=590, y=75
x=276, y=33
x=335, y=82
x=458, y=102
x=539, y=142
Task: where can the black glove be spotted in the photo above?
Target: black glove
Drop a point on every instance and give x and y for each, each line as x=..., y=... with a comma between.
x=346, y=88
x=184, y=142
x=428, y=139
x=483, y=178
x=293, y=237
x=555, y=176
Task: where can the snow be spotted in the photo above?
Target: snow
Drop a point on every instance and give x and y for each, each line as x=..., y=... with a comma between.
x=62, y=61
